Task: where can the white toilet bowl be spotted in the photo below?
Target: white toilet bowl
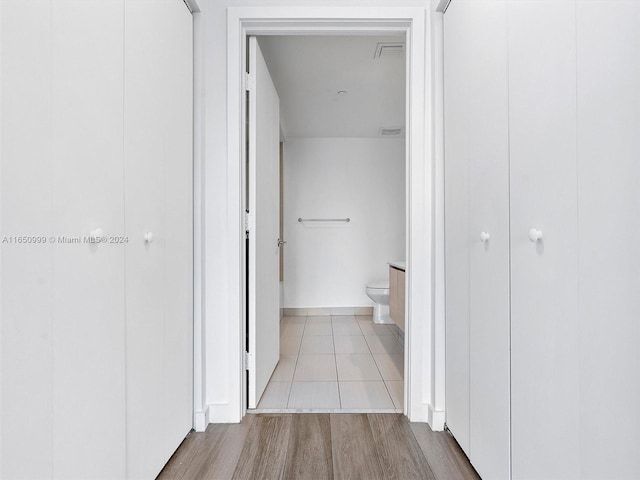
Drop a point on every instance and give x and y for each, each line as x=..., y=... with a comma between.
x=379, y=293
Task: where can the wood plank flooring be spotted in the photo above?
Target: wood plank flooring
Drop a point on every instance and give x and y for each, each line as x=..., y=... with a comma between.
x=319, y=446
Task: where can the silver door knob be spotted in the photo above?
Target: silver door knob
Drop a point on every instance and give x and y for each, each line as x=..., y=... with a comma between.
x=484, y=237
x=281, y=242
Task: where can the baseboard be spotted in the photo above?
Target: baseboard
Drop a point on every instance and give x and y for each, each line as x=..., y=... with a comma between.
x=223, y=413
x=201, y=420
x=326, y=311
x=435, y=419
x=400, y=336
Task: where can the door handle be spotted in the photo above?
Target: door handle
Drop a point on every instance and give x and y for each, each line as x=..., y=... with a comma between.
x=484, y=237
x=535, y=235
x=96, y=235
x=281, y=242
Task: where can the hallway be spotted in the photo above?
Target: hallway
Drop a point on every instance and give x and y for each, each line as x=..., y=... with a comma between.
x=319, y=446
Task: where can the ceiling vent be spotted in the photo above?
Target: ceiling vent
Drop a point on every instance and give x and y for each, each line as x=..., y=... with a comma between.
x=391, y=131
x=389, y=49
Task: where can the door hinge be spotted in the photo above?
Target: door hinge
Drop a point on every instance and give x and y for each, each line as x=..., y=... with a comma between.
x=249, y=221
x=248, y=361
x=249, y=82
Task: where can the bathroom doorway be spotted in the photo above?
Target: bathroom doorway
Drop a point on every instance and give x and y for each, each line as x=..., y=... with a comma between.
x=342, y=214
x=424, y=367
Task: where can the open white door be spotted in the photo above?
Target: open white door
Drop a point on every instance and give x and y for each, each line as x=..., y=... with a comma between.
x=264, y=214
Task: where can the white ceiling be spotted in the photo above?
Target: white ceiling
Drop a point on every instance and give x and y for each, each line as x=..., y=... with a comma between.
x=308, y=72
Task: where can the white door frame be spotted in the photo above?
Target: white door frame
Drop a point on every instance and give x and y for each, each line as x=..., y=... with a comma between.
x=421, y=341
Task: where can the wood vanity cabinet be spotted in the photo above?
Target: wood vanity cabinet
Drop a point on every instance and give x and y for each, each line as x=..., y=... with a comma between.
x=396, y=296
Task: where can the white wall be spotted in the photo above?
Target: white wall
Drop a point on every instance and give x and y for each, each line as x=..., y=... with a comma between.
x=329, y=264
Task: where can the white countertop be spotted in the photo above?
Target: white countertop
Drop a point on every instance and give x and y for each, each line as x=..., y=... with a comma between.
x=399, y=265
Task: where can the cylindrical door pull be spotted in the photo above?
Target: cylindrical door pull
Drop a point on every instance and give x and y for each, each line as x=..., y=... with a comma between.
x=535, y=235
x=281, y=242
x=95, y=234
x=148, y=237
x=484, y=237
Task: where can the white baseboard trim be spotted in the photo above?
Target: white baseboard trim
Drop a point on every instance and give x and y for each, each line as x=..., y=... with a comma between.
x=417, y=413
x=201, y=420
x=436, y=419
x=223, y=413
x=326, y=311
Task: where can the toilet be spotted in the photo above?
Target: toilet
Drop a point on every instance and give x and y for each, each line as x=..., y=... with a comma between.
x=379, y=293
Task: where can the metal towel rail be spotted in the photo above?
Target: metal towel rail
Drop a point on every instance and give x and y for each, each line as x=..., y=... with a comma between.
x=347, y=220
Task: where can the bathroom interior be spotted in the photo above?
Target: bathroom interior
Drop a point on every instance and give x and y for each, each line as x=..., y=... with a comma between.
x=343, y=218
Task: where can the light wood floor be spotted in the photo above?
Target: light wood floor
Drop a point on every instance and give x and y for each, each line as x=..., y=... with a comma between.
x=319, y=446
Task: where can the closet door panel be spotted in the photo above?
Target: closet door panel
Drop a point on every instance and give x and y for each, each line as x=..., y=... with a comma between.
x=609, y=235
x=178, y=84
x=88, y=278
x=145, y=137
x=457, y=71
x=488, y=136
x=542, y=90
x=158, y=179
x=26, y=349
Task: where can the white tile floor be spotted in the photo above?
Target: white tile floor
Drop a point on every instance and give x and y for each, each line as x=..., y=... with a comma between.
x=337, y=362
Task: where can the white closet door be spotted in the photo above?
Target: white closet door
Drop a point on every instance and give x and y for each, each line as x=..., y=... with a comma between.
x=609, y=235
x=88, y=310
x=26, y=418
x=476, y=115
x=542, y=90
x=487, y=112
x=457, y=72
x=158, y=160
x=179, y=226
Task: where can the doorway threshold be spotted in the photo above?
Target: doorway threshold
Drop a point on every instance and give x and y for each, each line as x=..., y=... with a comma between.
x=324, y=410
